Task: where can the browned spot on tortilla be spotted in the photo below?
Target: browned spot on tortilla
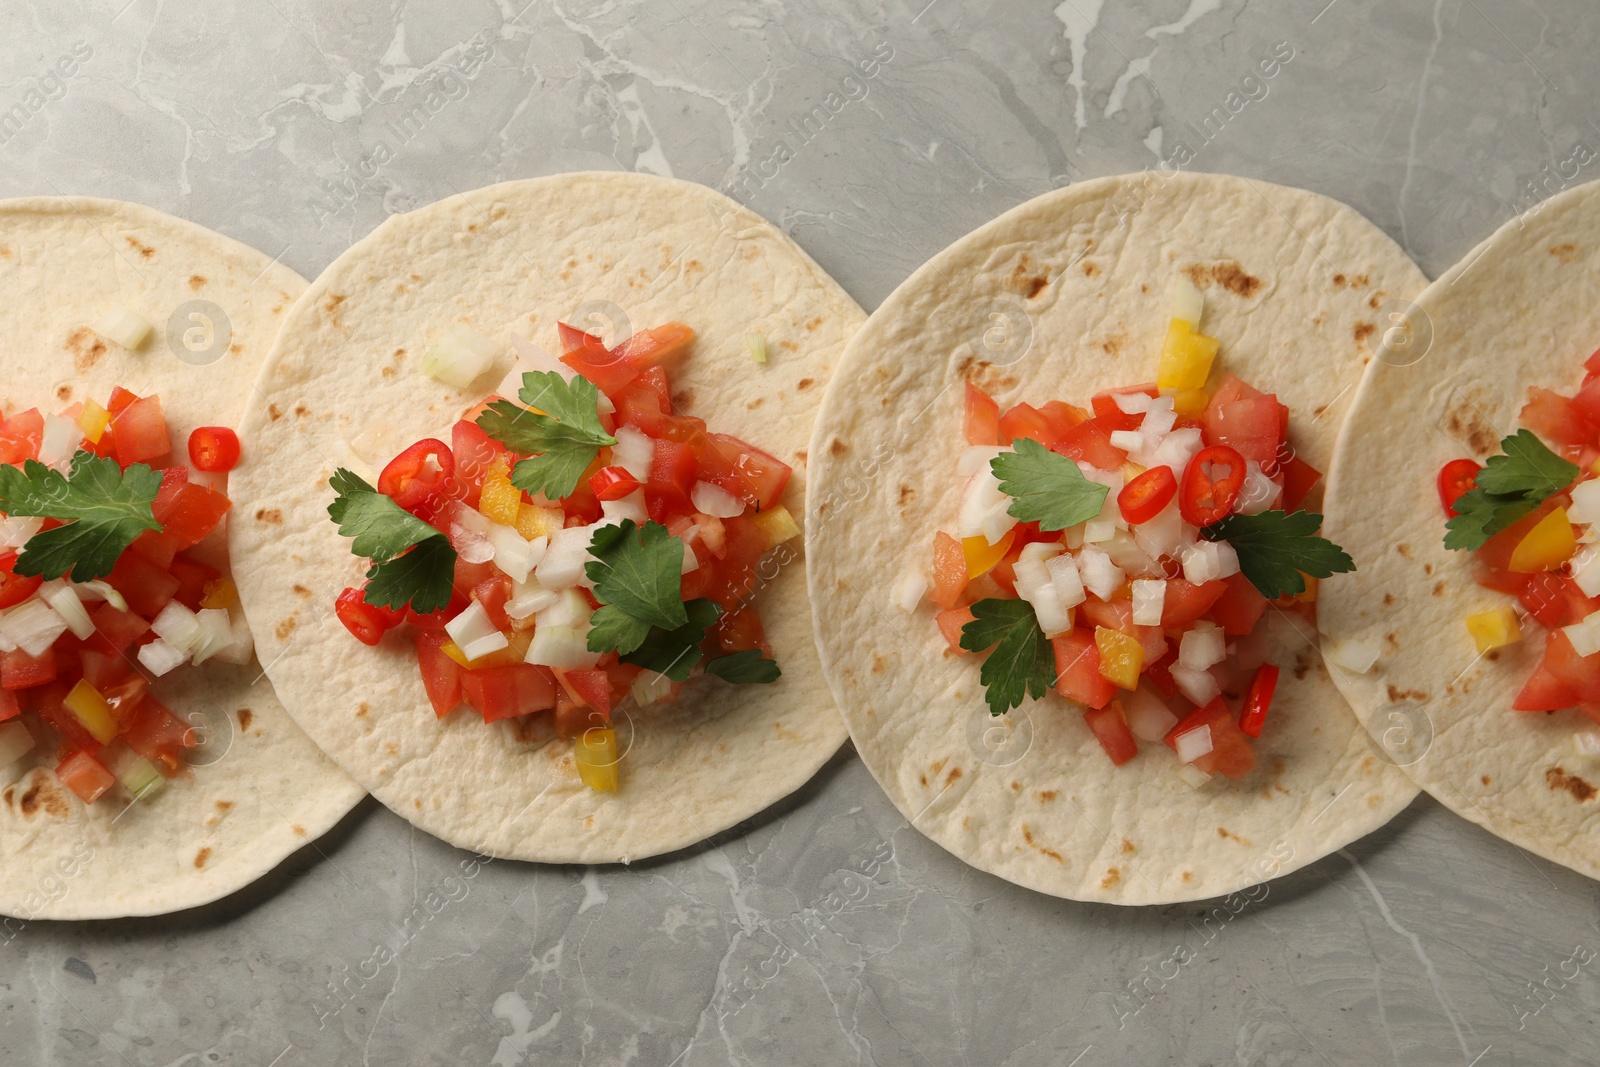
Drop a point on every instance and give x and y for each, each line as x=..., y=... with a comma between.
x=684, y=399
x=143, y=249
x=197, y=282
x=301, y=411
x=879, y=664
x=273, y=412
x=955, y=772
x=822, y=507
x=201, y=857
x=361, y=710
x=1127, y=847
x=302, y=590
x=64, y=392
x=1227, y=274
x=800, y=454
x=837, y=447
x=1112, y=344
x=87, y=348
x=1566, y=253
x=1090, y=269
x=1188, y=876
x=1223, y=831
x=299, y=831
x=8, y=795
x=1398, y=694
x=811, y=327
x=1016, y=787
x=1360, y=281
x=43, y=795
x=757, y=402
x=922, y=778
x=1438, y=587
x=1300, y=670
x=1113, y=876
x=391, y=748
x=1404, y=550
x=1338, y=281
x=1486, y=780
x=1493, y=655
x=417, y=801
x=1466, y=422
x=245, y=718
x=1027, y=834
x=805, y=383
x=1047, y=795
x=1388, y=599
x=270, y=516
x=938, y=765
x=1427, y=568
x=906, y=493
x=1581, y=790
x=285, y=628
x=5, y=253
x=1364, y=330
x=789, y=346
x=1394, y=642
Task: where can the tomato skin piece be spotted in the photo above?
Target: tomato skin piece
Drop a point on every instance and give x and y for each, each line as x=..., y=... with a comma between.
x=140, y=429
x=608, y=372
x=950, y=623
x=1204, y=498
x=1186, y=602
x=1078, y=674
x=613, y=483
x=366, y=622
x=20, y=436
x=419, y=478
x=114, y=630
x=441, y=675
x=1025, y=420
x=949, y=571
x=192, y=577
x=1554, y=600
x=753, y=476
x=214, y=449
x=83, y=774
x=1159, y=671
x=144, y=585
x=1455, y=479
x=1553, y=417
x=10, y=707
x=657, y=345
x=1110, y=727
x=18, y=670
x=1258, y=699
x=187, y=511
x=1239, y=607
x=1580, y=674
x=1090, y=442
x=673, y=471
x=1543, y=691
x=981, y=417
x=1147, y=495
x=592, y=688
x=14, y=587
x=1298, y=479
x=1251, y=426
x=510, y=691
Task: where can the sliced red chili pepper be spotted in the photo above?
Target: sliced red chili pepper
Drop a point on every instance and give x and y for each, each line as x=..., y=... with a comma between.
x=613, y=483
x=214, y=448
x=1144, y=498
x=368, y=622
x=14, y=587
x=1258, y=699
x=1456, y=478
x=418, y=479
x=1205, y=496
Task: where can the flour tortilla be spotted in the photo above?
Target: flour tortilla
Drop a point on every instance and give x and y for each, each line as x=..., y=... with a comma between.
x=1055, y=300
x=343, y=386
x=1517, y=311
x=258, y=788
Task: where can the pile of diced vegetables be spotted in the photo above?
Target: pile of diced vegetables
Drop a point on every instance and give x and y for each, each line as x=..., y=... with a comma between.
x=100, y=591
x=564, y=554
x=1126, y=556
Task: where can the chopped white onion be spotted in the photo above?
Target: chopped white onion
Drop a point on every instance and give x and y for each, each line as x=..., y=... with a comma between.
x=1149, y=599
x=1184, y=301
x=650, y=687
x=997, y=522
x=984, y=508
x=530, y=357
x=127, y=328
x=1064, y=576
x=470, y=545
x=1206, y=561
x=1100, y=576
x=1041, y=550
x=562, y=565
x=632, y=507
x=471, y=626
x=16, y=530
x=756, y=345
x=1160, y=419
x=691, y=562
x=1176, y=450
x=529, y=597
x=975, y=458
x=1136, y=403
x=1586, y=568
x=59, y=441
x=1585, y=506
x=216, y=633
x=98, y=590
x=715, y=500
x=1098, y=531
x=1164, y=534
x=1587, y=742
x=1149, y=718
x=1128, y=440
x=459, y=357
x=159, y=657
x=33, y=626
x=910, y=589
x=570, y=609
x=459, y=514
x=1035, y=586
x=1199, y=686
x=1354, y=654
x=1584, y=635
x=1126, y=553
x=514, y=554
x=563, y=647
x=15, y=742
x=64, y=599
x=1259, y=492
x=633, y=452
x=1202, y=647
x=1192, y=744
x=1192, y=776
x=240, y=646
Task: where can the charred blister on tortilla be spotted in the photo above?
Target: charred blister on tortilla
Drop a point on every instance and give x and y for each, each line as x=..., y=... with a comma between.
x=574, y=549
x=1126, y=557
x=99, y=591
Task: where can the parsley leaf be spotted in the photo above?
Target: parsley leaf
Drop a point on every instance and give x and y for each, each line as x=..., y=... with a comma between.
x=639, y=571
x=612, y=628
x=1049, y=488
x=562, y=434
x=745, y=667
x=103, y=506
x=1022, y=663
x=412, y=563
x=1276, y=550
x=1510, y=486
x=675, y=652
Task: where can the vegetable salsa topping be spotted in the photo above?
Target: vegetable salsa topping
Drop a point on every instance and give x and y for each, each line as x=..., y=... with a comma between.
x=99, y=591
x=1531, y=518
x=1126, y=555
x=572, y=549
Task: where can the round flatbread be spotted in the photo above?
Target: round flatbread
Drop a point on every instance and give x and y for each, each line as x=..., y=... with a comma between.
x=257, y=788
x=343, y=387
x=1055, y=300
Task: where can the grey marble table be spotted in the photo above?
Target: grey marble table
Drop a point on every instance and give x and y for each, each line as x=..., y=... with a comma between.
x=298, y=126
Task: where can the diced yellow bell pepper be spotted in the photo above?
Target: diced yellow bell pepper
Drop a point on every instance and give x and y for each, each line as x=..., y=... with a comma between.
x=1310, y=594
x=92, y=420
x=517, y=643
x=1185, y=357
x=91, y=709
x=1130, y=471
x=219, y=593
x=534, y=521
x=1495, y=628
x=596, y=753
x=777, y=522
x=1547, y=546
x=982, y=556
x=1190, y=403
x=501, y=501
x=1121, y=657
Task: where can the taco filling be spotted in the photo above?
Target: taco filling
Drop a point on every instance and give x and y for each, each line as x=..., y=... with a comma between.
x=1531, y=517
x=1126, y=555
x=570, y=552
x=100, y=593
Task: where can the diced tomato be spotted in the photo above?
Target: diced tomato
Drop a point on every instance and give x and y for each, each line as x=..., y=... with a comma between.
x=950, y=623
x=420, y=478
x=1580, y=674
x=1253, y=715
x=1552, y=417
x=1455, y=479
x=441, y=675
x=18, y=670
x=949, y=570
x=1239, y=607
x=1543, y=691
x=1185, y=601
x=159, y=736
x=20, y=436
x=492, y=593
x=591, y=688
x=214, y=449
x=1159, y=671
x=83, y=774
x=1587, y=402
x=114, y=629
x=1252, y=427
x=1211, y=485
x=1110, y=414
x=652, y=347
x=1078, y=669
x=14, y=587
x=981, y=420
x=367, y=622
x=1090, y=442
x=474, y=452
x=101, y=670
x=673, y=472
x=192, y=576
x=1147, y=495
x=141, y=432
x=1555, y=600
x=608, y=372
x=1115, y=614
x=188, y=512
x=1025, y=420
x=510, y=691
x=613, y=483
x=1298, y=479
x=1231, y=754
x=145, y=586
x=573, y=717
x=10, y=708
x=753, y=476
x=1495, y=555
x=119, y=400
x=622, y=675
x=1110, y=726
x=739, y=630
x=125, y=695
x=1233, y=388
